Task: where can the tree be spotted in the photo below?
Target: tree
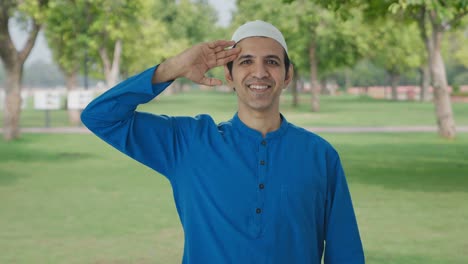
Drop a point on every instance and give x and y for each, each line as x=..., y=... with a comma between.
x=154, y=44
x=31, y=13
x=461, y=54
x=340, y=43
x=456, y=48
x=395, y=46
x=192, y=22
x=108, y=33
x=166, y=28
x=66, y=33
x=434, y=18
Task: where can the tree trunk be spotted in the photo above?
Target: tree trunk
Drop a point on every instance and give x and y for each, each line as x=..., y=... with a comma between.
x=394, y=81
x=315, y=87
x=432, y=39
x=425, y=82
x=111, y=69
x=12, y=110
x=426, y=68
x=443, y=105
x=13, y=61
x=71, y=82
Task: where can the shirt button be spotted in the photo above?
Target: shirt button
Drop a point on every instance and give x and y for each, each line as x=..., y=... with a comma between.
x=262, y=162
x=258, y=211
x=261, y=186
x=263, y=143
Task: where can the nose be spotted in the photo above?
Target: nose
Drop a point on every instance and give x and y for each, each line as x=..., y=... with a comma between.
x=260, y=71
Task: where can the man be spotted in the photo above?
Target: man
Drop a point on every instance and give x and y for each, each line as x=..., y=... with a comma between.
x=254, y=189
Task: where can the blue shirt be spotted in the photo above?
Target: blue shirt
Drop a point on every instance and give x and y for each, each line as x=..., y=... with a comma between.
x=241, y=197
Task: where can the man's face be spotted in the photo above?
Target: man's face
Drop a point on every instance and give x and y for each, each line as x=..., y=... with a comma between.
x=259, y=74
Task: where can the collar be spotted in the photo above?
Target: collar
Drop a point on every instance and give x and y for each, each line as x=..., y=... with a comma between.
x=244, y=129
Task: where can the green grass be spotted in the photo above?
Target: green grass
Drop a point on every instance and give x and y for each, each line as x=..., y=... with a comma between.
x=73, y=199
x=410, y=193
x=335, y=111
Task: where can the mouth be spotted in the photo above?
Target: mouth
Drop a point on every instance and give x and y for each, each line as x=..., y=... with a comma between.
x=258, y=87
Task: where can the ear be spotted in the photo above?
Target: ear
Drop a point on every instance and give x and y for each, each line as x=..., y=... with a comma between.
x=289, y=76
x=227, y=76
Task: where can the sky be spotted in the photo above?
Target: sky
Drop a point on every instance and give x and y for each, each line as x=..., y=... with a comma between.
x=41, y=51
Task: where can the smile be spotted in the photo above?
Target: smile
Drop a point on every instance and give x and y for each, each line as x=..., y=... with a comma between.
x=258, y=87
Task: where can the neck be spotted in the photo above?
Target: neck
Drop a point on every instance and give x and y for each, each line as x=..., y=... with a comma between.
x=262, y=122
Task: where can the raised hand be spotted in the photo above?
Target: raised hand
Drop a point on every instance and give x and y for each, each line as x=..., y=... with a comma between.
x=196, y=61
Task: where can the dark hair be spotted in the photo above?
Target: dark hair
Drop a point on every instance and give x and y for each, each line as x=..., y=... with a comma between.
x=287, y=62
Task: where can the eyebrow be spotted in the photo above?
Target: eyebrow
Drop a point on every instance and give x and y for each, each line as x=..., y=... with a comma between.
x=248, y=56
x=273, y=57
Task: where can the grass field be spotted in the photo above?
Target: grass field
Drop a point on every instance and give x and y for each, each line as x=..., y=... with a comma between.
x=335, y=111
x=73, y=199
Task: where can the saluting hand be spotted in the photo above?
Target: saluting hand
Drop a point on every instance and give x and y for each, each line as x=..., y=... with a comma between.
x=196, y=61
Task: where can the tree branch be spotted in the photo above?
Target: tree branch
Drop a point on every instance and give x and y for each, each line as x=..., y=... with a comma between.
x=436, y=24
x=117, y=53
x=422, y=23
x=105, y=59
x=458, y=17
x=7, y=47
x=24, y=52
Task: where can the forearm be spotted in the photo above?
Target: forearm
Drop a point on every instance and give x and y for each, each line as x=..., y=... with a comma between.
x=167, y=71
x=146, y=137
x=119, y=103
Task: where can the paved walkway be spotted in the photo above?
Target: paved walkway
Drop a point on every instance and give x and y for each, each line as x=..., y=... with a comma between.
x=342, y=129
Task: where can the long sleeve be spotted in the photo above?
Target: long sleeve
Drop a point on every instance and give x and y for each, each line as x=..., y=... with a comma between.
x=342, y=241
x=153, y=140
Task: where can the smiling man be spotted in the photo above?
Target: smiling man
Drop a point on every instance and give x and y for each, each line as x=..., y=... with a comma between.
x=253, y=189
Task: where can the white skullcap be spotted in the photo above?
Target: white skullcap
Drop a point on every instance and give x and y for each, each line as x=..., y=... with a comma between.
x=259, y=28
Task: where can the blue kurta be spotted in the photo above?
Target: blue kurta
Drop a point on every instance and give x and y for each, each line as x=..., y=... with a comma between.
x=241, y=197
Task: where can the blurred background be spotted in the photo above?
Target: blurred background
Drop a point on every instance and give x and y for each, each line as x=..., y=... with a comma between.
x=386, y=82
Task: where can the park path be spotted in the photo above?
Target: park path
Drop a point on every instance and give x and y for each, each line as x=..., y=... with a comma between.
x=341, y=129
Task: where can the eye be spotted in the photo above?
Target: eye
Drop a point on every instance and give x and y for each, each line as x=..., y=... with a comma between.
x=246, y=62
x=272, y=62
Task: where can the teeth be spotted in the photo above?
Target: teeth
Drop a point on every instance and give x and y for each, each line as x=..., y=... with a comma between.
x=259, y=87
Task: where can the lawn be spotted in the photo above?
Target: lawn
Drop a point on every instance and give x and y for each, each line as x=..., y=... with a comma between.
x=73, y=199
x=343, y=110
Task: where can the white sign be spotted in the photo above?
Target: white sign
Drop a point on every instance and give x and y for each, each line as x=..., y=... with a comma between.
x=24, y=99
x=79, y=99
x=47, y=100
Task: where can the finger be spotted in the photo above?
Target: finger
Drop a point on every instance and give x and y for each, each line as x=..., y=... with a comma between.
x=227, y=56
x=223, y=61
x=210, y=81
x=219, y=48
x=221, y=44
x=228, y=52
